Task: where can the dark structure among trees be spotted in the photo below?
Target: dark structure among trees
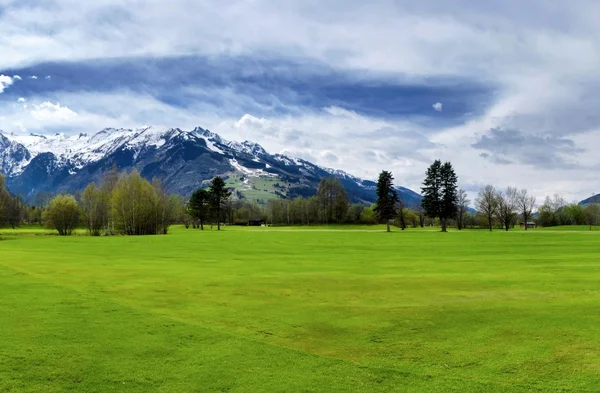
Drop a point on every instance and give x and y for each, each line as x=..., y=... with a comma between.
x=256, y=222
x=528, y=224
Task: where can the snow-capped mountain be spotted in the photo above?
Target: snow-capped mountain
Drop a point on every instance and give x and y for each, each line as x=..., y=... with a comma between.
x=185, y=160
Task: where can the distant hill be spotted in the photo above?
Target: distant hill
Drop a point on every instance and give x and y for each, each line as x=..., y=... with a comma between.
x=186, y=160
x=594, y=199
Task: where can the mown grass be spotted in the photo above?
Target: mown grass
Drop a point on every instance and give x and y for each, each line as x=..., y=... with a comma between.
x=294, y=310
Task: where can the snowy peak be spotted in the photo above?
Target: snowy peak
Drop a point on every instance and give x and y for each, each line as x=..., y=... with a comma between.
x=184, y=159
x=14, y=157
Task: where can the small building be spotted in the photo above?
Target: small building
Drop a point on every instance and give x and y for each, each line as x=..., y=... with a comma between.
x=256, y=222
x=528, y=225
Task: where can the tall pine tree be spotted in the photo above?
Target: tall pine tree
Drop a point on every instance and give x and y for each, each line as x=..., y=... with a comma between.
x=218, y=196
x=387, y=198
x=199, y=205
x=440, y=192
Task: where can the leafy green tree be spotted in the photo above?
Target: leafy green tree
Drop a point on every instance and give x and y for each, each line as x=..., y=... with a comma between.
x=333, y=200
x=134, y=205
x=592, y=214
x=62, y=214
x=440, y=192
x=387, y=198
x=199, y=206
x=218, y=197
x=92, y=208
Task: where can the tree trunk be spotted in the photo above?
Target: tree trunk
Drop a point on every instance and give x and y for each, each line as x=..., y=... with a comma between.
x=388, y=225
x=443, y=222
x=490, y=222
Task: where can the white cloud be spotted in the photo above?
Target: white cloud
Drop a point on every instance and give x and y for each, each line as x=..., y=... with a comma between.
x=33, y=77
x=21, y=99
x=17, y=77
x=250, y=121
x=48, y=77
x=5, y=82
x=540, y=58
x=438, y=107
x=50, y=112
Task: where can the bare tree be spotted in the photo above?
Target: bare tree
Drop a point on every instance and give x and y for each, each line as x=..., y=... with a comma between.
x=421, y=214
x=507, y=206
x=525, y=205
x=401, y=214
x=463, y=206
x=592, y=214
x=487, y=203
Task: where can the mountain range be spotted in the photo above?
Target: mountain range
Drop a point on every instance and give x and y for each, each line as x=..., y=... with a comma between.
x=37, y=164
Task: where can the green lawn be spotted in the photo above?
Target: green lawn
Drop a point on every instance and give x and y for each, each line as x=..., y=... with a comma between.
x=301, y=310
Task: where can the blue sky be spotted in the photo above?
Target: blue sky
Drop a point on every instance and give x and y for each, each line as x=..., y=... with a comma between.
x=504, y=90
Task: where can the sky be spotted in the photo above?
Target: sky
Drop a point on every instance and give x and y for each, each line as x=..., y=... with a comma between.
x=505, y=90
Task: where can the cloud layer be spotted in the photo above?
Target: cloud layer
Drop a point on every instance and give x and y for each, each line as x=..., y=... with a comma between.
x=506, y=90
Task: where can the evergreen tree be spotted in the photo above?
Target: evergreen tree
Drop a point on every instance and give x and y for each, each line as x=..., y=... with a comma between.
x=218, y=197
x=387, y=198
x=440, y=195
x=198, y=206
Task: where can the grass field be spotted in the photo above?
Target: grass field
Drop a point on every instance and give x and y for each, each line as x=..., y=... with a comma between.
x=286, y=310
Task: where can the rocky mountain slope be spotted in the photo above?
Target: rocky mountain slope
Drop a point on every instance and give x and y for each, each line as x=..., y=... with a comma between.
x=185, y=160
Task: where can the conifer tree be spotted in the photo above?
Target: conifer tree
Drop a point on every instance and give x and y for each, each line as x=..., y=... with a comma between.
x=199, y=205
x=440, y=192
x=387, y=198
x=218, y=196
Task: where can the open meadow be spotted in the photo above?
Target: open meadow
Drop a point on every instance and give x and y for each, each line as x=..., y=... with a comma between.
x=301, y=310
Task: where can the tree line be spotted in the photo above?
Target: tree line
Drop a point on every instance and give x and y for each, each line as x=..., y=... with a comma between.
x=122, y=204
x=503, y=208
x=127, y=204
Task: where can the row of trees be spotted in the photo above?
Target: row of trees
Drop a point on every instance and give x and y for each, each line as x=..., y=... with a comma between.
x=123, y=203
x=128, y=204
x=506, y=207
x=12, y=210
x=441, y=197
x=330, y=205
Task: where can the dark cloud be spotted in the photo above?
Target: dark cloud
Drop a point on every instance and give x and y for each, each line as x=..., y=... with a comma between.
x=507, y=146
x=272, y=85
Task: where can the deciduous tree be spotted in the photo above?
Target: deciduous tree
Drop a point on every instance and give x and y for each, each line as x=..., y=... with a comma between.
x=507, y=207
x=525, y=205
x=62, y=214
x=462, y=208
x=92, y=209
x=592, y=214
x=333, y=200
x=487, y=204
